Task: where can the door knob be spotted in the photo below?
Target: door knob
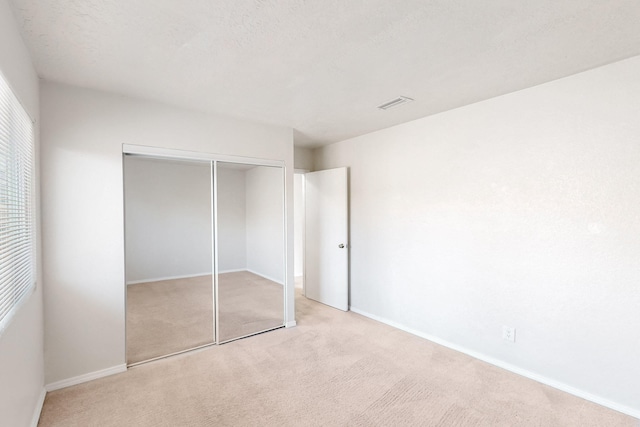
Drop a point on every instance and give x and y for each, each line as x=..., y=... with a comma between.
x=341, y=245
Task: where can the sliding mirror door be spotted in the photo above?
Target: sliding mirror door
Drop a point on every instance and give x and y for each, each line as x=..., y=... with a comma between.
x=250, y=249
x=168, y=238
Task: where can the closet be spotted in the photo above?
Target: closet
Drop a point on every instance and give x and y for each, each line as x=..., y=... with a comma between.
x=205, y=247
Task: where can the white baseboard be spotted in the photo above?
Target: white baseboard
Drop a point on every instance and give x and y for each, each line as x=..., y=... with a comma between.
x=236, y=270
x=279, y=282
x=86, y=377
x=290, y=324
x=38, y=408
x=159, y=279
x=509, y=367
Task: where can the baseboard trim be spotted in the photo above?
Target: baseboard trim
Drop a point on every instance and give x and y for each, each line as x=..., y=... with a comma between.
x=160, y=279
x=86, y=377
x=507, y=366
x=290, y=324
x=234, y=270
x=265, y=277
x=38, y=408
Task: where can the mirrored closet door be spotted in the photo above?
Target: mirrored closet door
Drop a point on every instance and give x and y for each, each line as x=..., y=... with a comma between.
x=205, y=251
x=251, y=249
x=168, y=246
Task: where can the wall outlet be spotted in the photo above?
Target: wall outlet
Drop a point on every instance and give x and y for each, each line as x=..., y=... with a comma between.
x=509, y=334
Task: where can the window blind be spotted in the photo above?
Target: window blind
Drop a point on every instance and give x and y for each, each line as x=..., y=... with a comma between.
x=17, y=237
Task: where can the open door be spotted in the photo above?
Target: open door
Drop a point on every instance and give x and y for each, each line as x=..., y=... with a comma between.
x=326, y=234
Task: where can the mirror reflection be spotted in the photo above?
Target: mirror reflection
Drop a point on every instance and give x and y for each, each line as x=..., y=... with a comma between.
x=168, y=243
x=251, y=262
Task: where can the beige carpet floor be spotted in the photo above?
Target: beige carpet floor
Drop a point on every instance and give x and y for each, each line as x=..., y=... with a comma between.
x=334, y=369
x=248, y=304
x=169, y=316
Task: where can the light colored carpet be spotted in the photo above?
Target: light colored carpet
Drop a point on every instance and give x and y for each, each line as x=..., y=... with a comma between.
x=168, y=316
x=248, y=304
x=334, y=369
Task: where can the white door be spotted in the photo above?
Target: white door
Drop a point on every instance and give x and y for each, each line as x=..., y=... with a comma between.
x=326, y=233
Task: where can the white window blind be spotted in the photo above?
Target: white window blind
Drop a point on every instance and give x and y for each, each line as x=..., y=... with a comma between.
x=17, y=237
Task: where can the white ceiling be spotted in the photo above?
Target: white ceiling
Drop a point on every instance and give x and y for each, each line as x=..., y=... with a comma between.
x=322, y=66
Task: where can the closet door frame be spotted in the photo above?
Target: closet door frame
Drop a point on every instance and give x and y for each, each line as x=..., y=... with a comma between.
x=168, y=153
x=172, y=154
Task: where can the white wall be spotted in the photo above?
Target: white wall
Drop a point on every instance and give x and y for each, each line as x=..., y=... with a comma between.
x=250, y=220
x=21, y=343
x=168, y=219
x=522, y=210
x=232, y=229
x=82, y=209
x=303, y=158
x=265, y=246
x=298, y=219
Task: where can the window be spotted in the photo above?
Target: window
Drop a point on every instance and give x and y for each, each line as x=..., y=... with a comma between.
x=17, y=237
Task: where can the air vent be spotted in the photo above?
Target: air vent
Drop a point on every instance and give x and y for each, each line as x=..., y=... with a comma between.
x=395, y=102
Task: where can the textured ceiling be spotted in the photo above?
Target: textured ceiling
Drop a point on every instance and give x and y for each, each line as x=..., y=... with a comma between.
x=322, y=67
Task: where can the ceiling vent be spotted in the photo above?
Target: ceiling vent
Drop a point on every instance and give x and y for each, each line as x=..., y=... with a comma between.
x=395, y=102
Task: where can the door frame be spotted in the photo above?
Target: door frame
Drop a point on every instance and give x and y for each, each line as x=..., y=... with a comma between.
x=301, y=172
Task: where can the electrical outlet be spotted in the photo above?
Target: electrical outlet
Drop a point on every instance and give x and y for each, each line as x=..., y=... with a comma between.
x=509, y=334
